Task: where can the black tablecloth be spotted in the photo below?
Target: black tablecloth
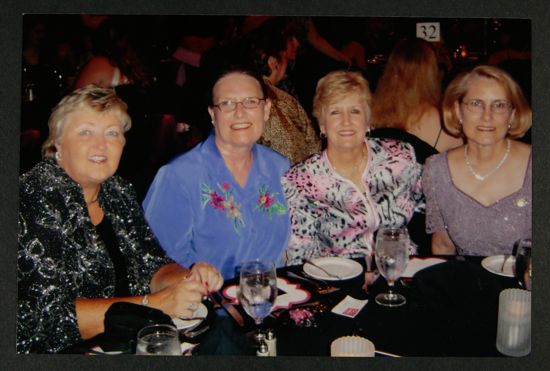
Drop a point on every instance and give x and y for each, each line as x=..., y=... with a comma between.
x=451, y=310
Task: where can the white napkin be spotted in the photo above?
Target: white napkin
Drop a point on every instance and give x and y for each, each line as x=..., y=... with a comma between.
x=416, y=264
x=349, y=306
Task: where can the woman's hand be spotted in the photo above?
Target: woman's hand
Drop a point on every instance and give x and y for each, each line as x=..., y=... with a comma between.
x=208, y=275
x=180, y=299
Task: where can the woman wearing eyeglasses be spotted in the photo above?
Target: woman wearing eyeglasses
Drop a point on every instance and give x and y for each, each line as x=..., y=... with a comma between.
x=478, y=196
x=222, y=201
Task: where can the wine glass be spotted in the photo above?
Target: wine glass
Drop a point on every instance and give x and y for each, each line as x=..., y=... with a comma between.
x=522, y=266
x=257, y=290
x=158, y=340
x=391, y=253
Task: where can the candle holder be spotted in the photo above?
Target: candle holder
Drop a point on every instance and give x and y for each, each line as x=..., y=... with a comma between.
x=514, y=323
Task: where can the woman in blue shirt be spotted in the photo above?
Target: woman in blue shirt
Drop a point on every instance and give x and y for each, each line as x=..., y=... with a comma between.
x=222, y=202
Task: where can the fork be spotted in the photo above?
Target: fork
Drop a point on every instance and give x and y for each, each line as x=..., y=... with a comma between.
x=308, y=261
x=327, y=289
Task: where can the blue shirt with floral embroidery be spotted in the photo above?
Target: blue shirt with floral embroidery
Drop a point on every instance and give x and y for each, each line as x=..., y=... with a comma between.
x=200, y=213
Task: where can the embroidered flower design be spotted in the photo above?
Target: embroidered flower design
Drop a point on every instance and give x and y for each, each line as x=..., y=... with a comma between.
x=224, y=202
x=268, y=204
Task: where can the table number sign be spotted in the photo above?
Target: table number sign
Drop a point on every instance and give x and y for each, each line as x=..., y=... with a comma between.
x=429, y=31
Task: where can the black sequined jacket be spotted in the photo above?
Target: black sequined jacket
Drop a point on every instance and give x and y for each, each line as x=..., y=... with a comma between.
x=61, y=257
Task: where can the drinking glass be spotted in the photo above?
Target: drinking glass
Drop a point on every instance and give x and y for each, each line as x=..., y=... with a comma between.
x=257, y=290
x=391, y=253
x=158, y=340
x=522, y=266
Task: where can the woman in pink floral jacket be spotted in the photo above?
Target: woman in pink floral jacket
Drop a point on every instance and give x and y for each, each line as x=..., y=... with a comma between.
x=338, y=198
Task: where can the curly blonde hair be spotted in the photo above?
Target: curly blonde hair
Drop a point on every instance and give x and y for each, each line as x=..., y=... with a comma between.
x=87, y=97
x=336, y=86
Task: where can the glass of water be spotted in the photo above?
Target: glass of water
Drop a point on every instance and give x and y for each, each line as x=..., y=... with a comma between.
x=258, y=290
x=158, y=340
x=391, y=253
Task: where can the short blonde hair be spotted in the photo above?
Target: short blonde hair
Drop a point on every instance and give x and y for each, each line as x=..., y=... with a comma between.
x=336, y=86
x=458, y=88
x=87, y=97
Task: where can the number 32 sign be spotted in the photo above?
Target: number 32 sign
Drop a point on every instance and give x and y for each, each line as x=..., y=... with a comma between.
x=428, y=31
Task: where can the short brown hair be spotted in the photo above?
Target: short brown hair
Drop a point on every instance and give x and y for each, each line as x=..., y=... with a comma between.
x=90, y=96
x=458, y=88
x=338, y=84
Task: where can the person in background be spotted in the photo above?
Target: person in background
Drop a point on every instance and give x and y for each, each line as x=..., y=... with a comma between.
x=478, y=196
x=84, y=243
x=338, y=198
x=115, y=61
x=222, y=201
x=407, y=100
x=288, y=130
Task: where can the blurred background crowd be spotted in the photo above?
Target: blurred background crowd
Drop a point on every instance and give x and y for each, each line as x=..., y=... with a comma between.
x=160, y=65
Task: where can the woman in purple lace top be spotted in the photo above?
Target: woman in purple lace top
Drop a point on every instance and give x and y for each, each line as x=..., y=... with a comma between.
x=478, y=196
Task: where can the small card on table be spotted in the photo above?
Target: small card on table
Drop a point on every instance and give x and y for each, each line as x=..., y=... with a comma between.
x=349, y=306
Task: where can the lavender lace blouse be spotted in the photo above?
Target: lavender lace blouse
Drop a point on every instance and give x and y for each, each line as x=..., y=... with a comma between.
x=475, y=229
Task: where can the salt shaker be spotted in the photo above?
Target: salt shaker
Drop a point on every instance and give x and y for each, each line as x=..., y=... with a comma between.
x=263, y=349
x=271, y=341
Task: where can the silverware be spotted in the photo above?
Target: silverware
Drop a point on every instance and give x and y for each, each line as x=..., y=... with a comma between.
x=323, y=269
x=191, y=318
x=229, y=308
x=195, y=332
x=327, y=289
x=506, y=257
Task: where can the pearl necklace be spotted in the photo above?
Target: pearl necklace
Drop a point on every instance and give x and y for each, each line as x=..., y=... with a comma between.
x=480, y=177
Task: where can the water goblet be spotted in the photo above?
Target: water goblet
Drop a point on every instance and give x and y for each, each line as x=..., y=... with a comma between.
x=257, y=290
x=522, y=265
x=391, y=253
x=158, y=340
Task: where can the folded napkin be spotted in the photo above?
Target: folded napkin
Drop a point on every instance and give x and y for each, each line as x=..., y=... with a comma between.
x=349, y=306
x=417, y=264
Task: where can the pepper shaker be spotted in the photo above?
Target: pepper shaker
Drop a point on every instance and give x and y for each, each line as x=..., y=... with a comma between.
x=263, y=349
x=271, y=341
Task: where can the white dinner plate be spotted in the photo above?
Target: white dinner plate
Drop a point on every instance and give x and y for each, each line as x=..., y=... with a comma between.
x=494, y=264
x=342, y=267
x=183, y=324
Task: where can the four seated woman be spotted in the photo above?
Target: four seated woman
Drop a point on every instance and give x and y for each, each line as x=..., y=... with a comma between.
x=84, y=243
x=340, y=197
x=88, y=245
x=478, y=196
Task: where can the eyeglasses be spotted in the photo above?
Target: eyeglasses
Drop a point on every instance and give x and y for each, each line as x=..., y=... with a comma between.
x=478, y=106
x=231, y=105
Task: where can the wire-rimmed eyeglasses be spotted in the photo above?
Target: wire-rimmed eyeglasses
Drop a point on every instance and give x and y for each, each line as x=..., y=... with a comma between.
x=478, y=106
x=230, y=105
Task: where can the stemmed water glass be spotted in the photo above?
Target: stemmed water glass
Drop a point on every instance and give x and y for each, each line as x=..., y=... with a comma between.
x=391, y=253
x=257, y=290
x=522, y=266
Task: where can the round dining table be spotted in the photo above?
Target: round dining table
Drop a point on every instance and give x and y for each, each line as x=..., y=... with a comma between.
x=451, y=310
